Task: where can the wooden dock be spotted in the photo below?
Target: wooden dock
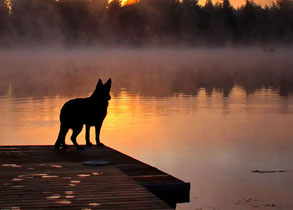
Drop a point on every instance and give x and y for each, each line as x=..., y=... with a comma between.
x=39, y=177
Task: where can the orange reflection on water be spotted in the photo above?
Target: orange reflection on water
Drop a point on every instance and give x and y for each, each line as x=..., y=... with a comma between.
x=208, y=139
x=131, y=117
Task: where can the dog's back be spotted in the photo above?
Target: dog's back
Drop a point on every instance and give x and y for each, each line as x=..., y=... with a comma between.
x=83, y=111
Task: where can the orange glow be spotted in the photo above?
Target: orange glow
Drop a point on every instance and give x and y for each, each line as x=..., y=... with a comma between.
x=239, y=3
x=8, y=4
x=131, y=118
x=126, y=2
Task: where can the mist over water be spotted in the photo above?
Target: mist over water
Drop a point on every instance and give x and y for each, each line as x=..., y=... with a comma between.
x=149, y=72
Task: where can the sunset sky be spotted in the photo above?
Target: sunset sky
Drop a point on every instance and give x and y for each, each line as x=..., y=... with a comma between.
x=238, y=3
x=235, y=3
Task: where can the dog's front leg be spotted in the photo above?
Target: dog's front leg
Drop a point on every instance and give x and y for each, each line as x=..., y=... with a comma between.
x=98, y=129
x=87, y=135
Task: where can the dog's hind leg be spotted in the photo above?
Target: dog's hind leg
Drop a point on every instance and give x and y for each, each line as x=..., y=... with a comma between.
x=87, y=135
x=76, y=131
x=98, y=129
x=61, y=137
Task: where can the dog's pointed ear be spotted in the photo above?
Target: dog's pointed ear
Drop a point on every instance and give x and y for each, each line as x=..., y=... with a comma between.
x=108, y=83
x=99, y=83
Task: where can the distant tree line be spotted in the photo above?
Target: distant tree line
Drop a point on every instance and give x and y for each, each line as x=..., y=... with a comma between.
x=149, y=22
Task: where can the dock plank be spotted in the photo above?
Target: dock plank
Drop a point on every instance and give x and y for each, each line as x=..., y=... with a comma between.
x=123, y=173
x=47, y=188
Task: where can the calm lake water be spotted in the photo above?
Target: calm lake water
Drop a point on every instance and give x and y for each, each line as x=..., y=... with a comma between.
x=213, y=142
x=210, y=134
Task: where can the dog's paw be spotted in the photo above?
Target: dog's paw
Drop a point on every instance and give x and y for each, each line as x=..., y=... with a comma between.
x=56, y=147
x=89, y=144
x=100, y=144
x=64, y=146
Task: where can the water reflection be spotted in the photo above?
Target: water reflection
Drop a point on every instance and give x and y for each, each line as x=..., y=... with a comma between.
x=164, y=84
x=158, y=73
x=209, y=139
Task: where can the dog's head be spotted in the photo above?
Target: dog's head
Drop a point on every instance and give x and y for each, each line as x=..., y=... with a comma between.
x=102, y=91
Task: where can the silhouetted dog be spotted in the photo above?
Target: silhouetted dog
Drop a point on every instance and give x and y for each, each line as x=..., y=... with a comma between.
x=90, y=111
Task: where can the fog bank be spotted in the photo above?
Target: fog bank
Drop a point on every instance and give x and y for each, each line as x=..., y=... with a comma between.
x=149, y=72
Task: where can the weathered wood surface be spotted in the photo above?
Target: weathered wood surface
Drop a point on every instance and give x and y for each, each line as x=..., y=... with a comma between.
x=73, y=186
x=116, y=186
